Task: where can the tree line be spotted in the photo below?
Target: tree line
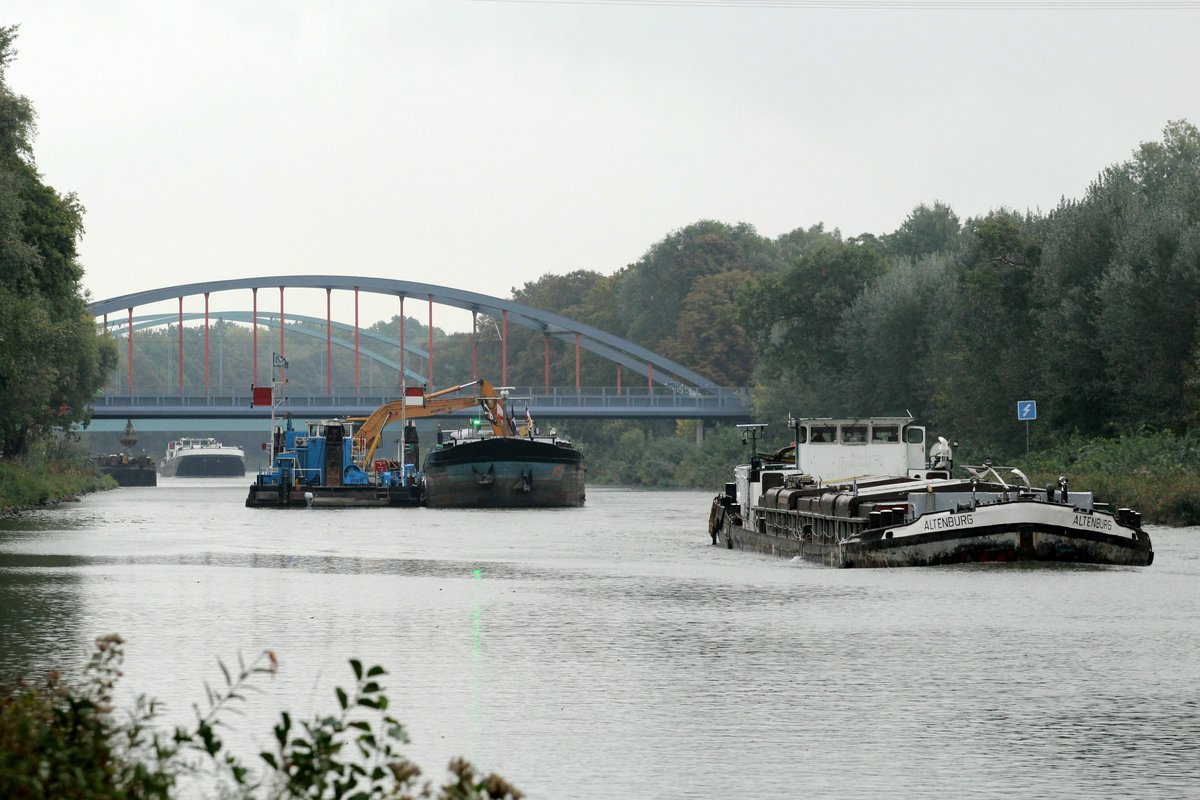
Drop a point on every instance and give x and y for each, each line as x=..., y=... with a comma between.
x=1092, y=309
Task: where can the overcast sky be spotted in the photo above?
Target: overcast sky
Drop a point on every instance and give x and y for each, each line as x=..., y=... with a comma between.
x=480, y=145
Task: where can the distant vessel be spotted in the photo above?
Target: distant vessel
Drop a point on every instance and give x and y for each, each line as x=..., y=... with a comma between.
x=125, y=468
x=861, y=493
x=477, y=469
x=202, y=457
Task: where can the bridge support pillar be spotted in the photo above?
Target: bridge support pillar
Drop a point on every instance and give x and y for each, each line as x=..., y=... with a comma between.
x=699, y=432
x=355, y=338
x=253, y=328
x=329, y=341
x=130, y=329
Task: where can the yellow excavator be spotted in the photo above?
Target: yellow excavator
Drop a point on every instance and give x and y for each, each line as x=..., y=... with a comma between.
x=370, y=432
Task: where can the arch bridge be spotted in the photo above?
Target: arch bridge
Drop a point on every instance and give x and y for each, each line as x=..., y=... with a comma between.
x=660, y=388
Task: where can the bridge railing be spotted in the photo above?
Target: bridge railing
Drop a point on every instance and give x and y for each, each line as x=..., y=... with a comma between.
x=587, y=401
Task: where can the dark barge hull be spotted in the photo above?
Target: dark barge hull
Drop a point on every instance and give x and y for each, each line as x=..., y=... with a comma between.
x=206, y=466
x=504, y=473
x=996, y=544
x=130, y=475
x=303, y=496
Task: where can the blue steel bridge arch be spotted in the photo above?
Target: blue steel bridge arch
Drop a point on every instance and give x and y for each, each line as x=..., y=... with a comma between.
x=653, y=366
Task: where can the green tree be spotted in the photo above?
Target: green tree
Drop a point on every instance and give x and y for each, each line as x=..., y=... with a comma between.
x=982, y=359
x=886, y=334
x=653, y=290
x=52, y=359
x=925, y=231
x=710, y=337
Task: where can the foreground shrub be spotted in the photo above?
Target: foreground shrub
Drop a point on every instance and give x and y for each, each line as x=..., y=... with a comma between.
x=64, y=741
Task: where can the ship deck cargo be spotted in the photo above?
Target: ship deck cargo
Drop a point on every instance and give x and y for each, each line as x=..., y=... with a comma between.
x=861, y=493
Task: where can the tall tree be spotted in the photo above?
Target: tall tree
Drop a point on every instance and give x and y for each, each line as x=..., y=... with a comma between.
x=52, y=359
x=926, y=230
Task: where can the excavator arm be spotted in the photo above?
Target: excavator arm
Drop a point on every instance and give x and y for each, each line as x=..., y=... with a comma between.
x=444, y=401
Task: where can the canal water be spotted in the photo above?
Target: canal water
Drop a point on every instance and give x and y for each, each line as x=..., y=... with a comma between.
x=611, y=651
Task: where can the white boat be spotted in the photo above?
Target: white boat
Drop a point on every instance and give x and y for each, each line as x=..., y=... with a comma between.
x=863, y=493
x=202, y=457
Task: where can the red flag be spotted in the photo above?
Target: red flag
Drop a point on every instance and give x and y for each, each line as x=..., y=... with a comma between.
x=262, y=396
x=414, y=395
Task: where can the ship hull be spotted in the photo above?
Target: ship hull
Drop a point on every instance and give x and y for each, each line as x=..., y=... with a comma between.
x=132, y=474
x=504, y=473
x=306, y=496
x=204, y=465
x=1018, y=532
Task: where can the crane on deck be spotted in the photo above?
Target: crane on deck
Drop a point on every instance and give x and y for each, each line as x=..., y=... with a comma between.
x=491, y=401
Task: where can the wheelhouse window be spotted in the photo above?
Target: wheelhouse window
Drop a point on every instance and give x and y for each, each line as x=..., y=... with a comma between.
x=854, y=434
x=885, y=433
x=823, y=434
x=914, y=435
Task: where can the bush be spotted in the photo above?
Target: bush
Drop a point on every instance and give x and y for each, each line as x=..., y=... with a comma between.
x=59, y=741
x=47, y=474
x=1155, y=472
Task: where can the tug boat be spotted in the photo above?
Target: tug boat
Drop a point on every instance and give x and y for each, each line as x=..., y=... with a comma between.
x=319, y=466
x=865, y=493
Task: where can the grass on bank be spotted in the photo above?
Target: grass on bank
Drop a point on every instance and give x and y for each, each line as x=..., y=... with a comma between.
x=39, y=480
x=1154, y=472
x=65, y=741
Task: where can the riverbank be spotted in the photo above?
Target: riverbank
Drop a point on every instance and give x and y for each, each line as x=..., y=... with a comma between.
x=28, y=484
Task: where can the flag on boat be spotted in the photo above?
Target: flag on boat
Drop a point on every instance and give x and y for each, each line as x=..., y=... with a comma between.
x=261, y=396
x=278, y=360
x=528, y=420
x=487, y=412
x=414, y=395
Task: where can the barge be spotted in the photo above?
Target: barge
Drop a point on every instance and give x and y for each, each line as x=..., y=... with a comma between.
x=865, y=493
x=202, y=457
x=126, y=468
x=478, y=469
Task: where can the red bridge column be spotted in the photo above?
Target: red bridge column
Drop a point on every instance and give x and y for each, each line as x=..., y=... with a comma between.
x=402, y=375
x=504, y=348
x=546, y=337
x=131, y=351
x=618, y=380
x=181, y=347
x=474, y=346
x=206, y=343
x=431, y=384
x=356, y=339
x=280, y=327
x=254, y=328
x=577, y=363
x=329, y=344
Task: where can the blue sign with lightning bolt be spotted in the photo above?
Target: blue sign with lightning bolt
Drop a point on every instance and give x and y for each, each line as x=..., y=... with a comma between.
x=1027, y=410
